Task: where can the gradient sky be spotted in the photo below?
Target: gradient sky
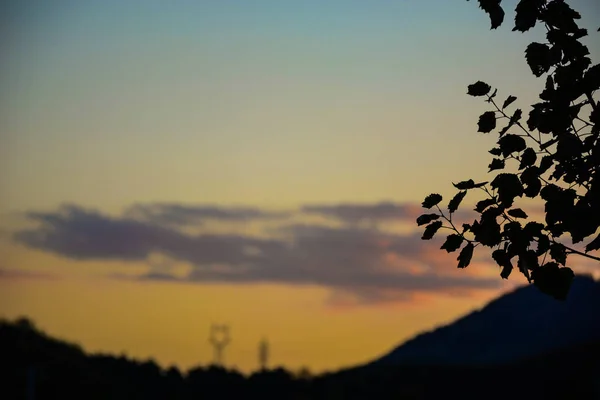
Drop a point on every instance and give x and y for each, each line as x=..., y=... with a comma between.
x=166, y=165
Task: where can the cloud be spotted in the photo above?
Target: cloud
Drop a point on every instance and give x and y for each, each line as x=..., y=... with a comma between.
x=364, y=263
x=355, y=213
x=78, y=233
x=172, y=214
x=14, y=274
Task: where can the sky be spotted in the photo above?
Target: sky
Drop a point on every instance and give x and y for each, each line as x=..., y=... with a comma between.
x=168, y=165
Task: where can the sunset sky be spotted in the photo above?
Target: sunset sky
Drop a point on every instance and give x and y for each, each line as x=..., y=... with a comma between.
x=170, y=164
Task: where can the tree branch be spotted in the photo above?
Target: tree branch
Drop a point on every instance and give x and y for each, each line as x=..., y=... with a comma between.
x=573, y=251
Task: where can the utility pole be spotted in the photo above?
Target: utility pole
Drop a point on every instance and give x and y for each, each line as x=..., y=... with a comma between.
x=219, y=339
x=263, y=354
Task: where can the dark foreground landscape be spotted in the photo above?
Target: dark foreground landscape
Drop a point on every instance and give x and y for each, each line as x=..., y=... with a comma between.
x=547, y=350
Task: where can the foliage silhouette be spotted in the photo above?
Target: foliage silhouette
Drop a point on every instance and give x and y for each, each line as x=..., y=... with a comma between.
x=64, y=371
x=557, y=151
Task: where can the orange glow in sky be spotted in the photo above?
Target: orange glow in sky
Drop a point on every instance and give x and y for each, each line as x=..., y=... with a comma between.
x=176, y=164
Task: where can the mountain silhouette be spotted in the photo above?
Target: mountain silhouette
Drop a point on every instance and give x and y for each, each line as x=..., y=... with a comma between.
x=519, y=325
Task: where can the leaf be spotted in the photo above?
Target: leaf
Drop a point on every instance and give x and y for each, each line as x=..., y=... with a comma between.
x=549, y=92
x=581, y=33
x=593, y=245
x=426, y=218
x=556, y=230
x=538, y=58
x=533, y=229
x=511, y=144
x=531, y=178
x=478, y=89
x=465, y=185
x=431, y=200
x=591, y=79
x=487, y=122
x=519, y=242
x=495, y=151
x=465, y=256
x=528, y=158
x=470, y=184
x=500, y=257
x=494, y=10
x=553, y=280
x=569, y=146
x=506, y=270
x=496, y=163
x=492, y=213
x=452, y=243
x=516, y=117
x=431, y=229
x=503, y=260
x=584, y=218
x=509, y=100
x=509, y=186
x=595, y=117
x=527, y=12
x=517, y=213
x=527, y=262
x=483, y=204
x=559, y=204
x=543, y=245
x=546, y=163
x=559, y=253
x=558, y=14
x=455, y=202
x=535, y=115
x=487, y=232
x=575, y=109
x=556, y=51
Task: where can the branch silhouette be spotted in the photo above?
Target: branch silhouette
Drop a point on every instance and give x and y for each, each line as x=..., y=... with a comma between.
x=558, y=161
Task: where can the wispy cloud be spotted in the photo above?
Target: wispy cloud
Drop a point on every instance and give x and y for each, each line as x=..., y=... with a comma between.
x=356, y=213
x=361, y=262
x=372, y=214
x=14, y=274
x=172, y=214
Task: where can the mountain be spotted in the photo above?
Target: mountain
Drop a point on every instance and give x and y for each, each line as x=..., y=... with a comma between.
x=568, y=373
x=516, y=326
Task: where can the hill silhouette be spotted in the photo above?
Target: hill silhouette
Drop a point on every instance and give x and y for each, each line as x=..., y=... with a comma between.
x=547, y=350
x=36, y=365
x=513, y=327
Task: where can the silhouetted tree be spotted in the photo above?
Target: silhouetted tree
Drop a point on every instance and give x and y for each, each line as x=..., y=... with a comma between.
x=304, y=374
x=555, y=152
x=63, y=371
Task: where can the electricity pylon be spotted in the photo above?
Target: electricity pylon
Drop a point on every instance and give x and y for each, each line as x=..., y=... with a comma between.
x=219, y=338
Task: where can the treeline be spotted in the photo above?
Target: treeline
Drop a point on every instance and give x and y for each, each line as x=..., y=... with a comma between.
x=53, y=369
x=34, y=364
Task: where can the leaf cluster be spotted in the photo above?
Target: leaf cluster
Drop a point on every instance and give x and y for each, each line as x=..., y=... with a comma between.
x=554, y=149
